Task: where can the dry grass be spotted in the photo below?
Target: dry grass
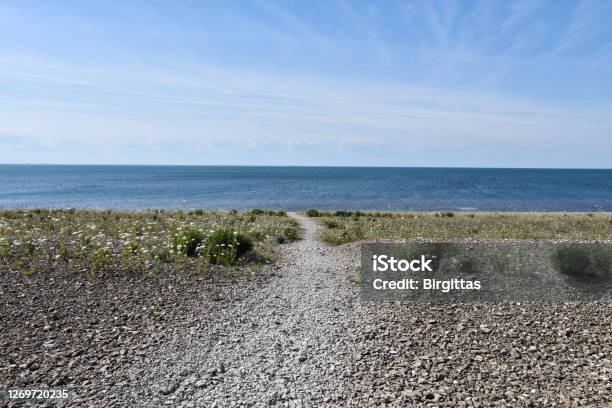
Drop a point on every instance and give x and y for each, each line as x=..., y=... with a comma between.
x=348, y=227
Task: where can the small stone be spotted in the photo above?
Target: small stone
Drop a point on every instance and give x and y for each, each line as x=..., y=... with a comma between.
x=169, y=388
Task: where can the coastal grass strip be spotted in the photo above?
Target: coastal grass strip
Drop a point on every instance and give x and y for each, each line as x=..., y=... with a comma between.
x=347, y=226
x=152, y=241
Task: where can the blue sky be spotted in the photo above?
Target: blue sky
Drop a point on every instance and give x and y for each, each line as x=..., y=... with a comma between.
x=410, y=83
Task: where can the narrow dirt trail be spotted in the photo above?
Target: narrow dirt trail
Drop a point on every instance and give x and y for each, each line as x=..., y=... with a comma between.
x=279, y=344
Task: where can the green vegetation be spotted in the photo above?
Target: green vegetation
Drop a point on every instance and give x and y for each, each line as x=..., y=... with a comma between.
x=312, y=213
x=347, y=226
x=570, y=261
x=259, y=211
x=225, y=246
x=343, y=213
x=331, y=224
x=152, y=241
x=583, y=263
x=187, y=241
x=289, y=233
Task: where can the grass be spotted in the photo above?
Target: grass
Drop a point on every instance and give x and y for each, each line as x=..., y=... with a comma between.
x=138, y=241
x=347, y=226
x=225, y=246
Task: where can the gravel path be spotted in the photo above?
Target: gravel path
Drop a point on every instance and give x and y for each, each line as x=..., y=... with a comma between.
x=297, y=334
x=276, y=345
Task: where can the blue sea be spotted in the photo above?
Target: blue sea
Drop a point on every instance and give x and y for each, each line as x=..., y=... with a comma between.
x=298, y=188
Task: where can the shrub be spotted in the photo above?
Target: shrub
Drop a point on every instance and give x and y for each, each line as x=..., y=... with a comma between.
x=570, y=261
x=233, y=211
x=244, y=244
x=291, y=233
x=100, y=259
x=583, y=264
x=259, y=211
x=187, y=241
x=331, y=224
x=225, y=246
x=342, y=213
x=312, y=213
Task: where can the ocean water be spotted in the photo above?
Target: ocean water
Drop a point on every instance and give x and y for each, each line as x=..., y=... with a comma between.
x=298, y=188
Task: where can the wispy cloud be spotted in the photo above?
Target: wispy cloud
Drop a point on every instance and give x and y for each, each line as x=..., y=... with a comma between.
x=268, y=80
x=589, y=20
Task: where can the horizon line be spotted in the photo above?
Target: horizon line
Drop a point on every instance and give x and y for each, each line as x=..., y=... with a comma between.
x=301, y=166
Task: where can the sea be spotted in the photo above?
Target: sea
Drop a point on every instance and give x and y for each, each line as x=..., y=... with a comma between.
x=299, y=188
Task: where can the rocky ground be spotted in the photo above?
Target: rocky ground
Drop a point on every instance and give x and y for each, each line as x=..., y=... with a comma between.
x=82, y=333
x=297, y=334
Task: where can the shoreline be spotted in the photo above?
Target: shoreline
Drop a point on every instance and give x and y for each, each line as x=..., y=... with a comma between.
x=329, y=211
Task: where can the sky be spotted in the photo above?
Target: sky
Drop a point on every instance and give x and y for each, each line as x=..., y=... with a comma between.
x=343, y=83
